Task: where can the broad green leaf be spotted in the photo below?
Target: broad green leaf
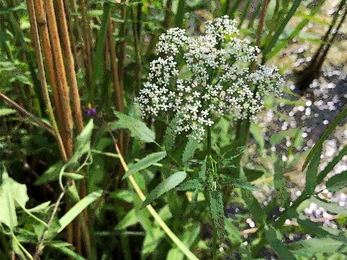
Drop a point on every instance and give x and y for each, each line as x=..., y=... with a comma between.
x=331, y=127
x=337, y=182
x=137, y=128
x=274, y=240
x=78, y=208
x=7, y=111
x=311, y=173
x=12, y=193
x=217, y=213
x=166, y=185
x=144, y=163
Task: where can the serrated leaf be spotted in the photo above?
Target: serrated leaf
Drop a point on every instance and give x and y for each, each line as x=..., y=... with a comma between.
x=282, y=195
x=12, y=193
x=165, y=186
x=277, y=245
x=337, y=182
x=137, y=128
x=314, y=246
x=170, y=134
x=329, y=206
x=217, y=213
x=229, y=181
x=189, y=150
x=189, y=185
x=144, y=163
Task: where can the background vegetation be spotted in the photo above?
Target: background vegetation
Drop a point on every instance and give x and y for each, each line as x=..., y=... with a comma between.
x=76, y=159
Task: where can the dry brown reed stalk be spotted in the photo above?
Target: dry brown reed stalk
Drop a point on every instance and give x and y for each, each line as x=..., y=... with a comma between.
x=70, y=64
x=50, y=68
x=42, y=76
x=61, y=79
x=86, y=44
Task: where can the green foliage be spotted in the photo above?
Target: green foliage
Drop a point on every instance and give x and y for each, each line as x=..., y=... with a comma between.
x=145, y=163
x=165, y=186
x=137, y=128
x=12, y=195
x=231, y=191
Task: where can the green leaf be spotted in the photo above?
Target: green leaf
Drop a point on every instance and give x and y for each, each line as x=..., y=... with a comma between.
x=314, y=246
x=278, y=137
x=83, y=142
x=128, y=220
x=311, y=173
x=233, y=232
x=78, y=208
x=144, y=163
x=51, y=174
x=189, y=150
x=217, y=213
x=12, y=193
x=254, y=206
x=7, y=111
x=332, y=164
x=337, y=182
x=73, y=176
x=274, y=240
x=329, y=206
x=253, y=174
x=282, y=195
x=325, y=135
x=190, y=185
x=170, y=134
x=168, y=184
x=257, y=134
x=137, y=128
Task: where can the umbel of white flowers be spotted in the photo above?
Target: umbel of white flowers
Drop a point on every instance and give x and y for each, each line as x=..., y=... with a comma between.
x=198, y=79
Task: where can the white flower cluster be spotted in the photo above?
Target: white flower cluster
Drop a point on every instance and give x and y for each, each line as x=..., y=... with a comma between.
x=199, y=79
